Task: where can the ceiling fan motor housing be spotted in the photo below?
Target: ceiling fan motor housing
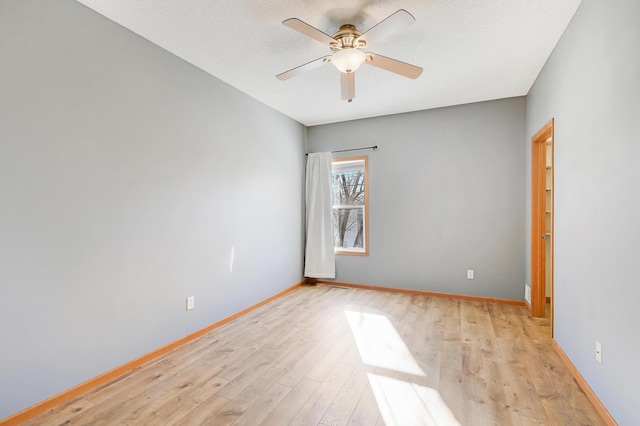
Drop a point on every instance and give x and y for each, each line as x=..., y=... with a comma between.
x=347, y=38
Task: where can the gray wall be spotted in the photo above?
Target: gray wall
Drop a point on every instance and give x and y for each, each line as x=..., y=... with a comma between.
x=447, y=190
x=127, y=176
x=591, y=85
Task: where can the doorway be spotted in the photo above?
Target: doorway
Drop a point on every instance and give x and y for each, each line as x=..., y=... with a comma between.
x=542, y=222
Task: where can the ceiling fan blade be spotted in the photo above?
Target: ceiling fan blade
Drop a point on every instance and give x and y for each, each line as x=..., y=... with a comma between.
x=388, y=26
x=308, y=30
x=303, y=68
x=348, y=85
x=393, y=65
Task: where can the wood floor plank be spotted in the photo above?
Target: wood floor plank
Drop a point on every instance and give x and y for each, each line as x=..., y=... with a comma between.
x=452, y=390
x=325, y=355
x=256, y=370
x=314, y=357
x=263, y=406
x=139, y=378
x=148, y=412
x=183, y=401
x=524, y=395
x=434, y=331
x=327, y=362
x=195, y=376
x=311, y=413
x=469, y=332
x=285, y=412
x=452, y=354
x=64, y=414
x=472, y=359
x=235, y=362
x=118, y=408
x=293, y=354
x=351, y=356
x=452, y=321
x=243, y=398
x=345, y=402
x=526, y=421
x=366, y=411
x=203, y=413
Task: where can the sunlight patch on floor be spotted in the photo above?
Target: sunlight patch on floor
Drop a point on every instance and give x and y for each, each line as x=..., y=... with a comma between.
x=379, y=344
x=400, y=402
x=405, y=403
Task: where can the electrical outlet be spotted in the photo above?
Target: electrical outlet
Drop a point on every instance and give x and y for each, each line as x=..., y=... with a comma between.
x=527, y=293
x=598, y=352
x=469, y=274
x=190, y=303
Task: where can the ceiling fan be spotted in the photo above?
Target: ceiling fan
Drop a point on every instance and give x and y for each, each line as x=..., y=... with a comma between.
x=348, y=44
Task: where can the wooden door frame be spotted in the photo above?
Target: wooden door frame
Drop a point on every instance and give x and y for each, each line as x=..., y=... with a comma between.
x=538, y=227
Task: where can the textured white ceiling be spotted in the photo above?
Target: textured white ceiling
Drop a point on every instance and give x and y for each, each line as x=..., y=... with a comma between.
x=471, y=50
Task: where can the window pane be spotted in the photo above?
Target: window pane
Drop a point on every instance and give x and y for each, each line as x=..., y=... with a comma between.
x=348, y=227
x=349, y=185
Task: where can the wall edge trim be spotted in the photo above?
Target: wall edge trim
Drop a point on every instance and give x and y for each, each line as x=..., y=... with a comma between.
x=67, y=395
x=599, y=406
x=419, y=292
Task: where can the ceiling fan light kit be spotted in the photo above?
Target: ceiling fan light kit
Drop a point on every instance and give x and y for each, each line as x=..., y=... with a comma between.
x=347, y=44
x=348, y=60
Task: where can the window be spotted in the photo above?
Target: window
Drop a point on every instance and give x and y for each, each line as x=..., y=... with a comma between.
x=350, y=206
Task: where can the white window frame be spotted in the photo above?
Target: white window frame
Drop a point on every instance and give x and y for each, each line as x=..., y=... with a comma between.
x=364, y=250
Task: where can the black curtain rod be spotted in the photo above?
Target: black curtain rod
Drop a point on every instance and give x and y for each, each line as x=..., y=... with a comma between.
x=354, y=149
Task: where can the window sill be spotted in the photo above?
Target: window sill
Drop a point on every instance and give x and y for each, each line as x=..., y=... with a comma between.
x=351, y=252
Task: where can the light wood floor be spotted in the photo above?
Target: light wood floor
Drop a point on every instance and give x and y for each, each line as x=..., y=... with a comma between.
x=323, y=355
